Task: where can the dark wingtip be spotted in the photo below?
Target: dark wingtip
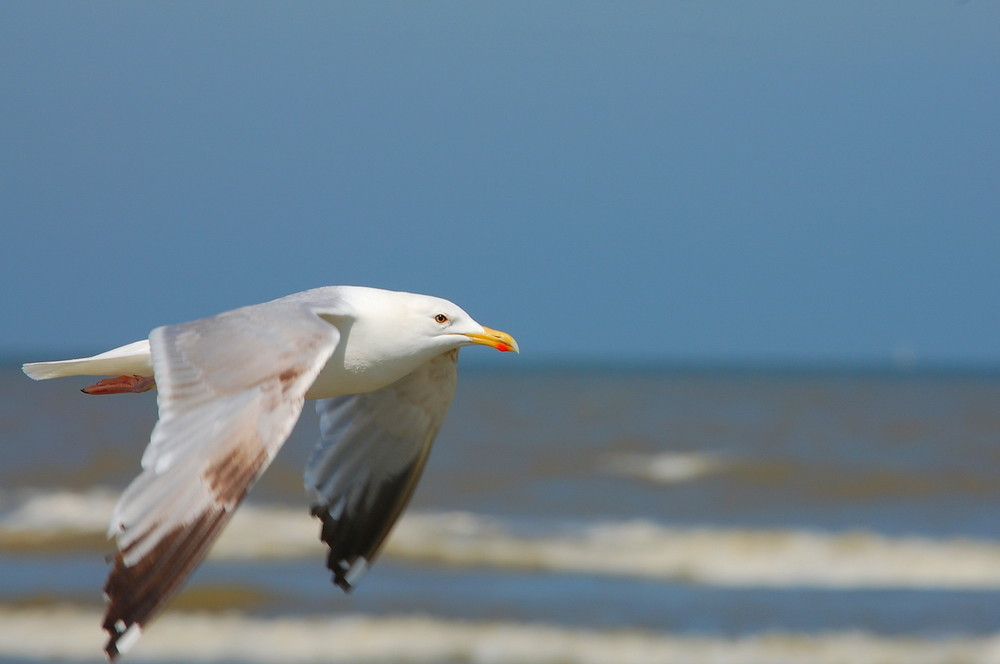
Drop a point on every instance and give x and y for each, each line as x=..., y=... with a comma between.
x=341, y=582
x=136, y=593
x=120, y=631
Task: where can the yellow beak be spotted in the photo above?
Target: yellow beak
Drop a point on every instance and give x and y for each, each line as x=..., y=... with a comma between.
x=502, y=341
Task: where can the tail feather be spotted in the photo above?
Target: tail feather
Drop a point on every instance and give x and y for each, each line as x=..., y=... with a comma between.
x=133, y=358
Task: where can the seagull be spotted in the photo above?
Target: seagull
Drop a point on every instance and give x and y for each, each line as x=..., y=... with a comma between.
x=382, y=367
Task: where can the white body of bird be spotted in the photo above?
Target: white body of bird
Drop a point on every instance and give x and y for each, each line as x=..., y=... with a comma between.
x=381, y=365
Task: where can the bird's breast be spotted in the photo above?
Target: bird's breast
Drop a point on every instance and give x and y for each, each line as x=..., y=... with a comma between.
x=354, y=375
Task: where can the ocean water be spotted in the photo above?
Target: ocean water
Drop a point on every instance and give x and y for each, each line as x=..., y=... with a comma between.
x=566, y=515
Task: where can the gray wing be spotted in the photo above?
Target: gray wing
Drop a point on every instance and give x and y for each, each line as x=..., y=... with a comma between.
x=230, y=390
x=369, y=459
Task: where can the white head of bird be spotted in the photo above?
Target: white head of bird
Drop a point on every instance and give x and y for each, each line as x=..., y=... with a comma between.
x=393, y=333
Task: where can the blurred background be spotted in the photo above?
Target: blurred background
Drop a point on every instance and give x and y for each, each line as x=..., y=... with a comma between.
x=749, y=250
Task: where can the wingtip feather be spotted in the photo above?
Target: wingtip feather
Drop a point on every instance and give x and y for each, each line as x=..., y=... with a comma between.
x=122, y=640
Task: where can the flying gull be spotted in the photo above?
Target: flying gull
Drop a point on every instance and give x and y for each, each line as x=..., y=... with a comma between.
x=382, y=367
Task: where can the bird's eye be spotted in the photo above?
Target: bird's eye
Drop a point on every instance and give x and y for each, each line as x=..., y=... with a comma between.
x=441, y=318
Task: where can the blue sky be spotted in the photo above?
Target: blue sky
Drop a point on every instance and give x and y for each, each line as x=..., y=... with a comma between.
x=696, y=181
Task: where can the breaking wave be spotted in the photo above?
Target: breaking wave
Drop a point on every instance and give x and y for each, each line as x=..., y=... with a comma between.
x=667, y=467
x=61, y=520
x=27, y=634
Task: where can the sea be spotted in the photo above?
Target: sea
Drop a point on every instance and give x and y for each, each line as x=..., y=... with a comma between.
x=567, y=515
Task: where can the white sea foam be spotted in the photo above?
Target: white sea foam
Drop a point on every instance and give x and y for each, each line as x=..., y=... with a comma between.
x=255, y=532
x=716, y=556
x=46, y=512
x=666, y=467
x=178, y=637
x=726, y=557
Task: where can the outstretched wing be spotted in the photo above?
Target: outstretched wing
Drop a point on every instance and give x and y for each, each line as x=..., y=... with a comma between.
x=369, y=460
x=230, y=390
